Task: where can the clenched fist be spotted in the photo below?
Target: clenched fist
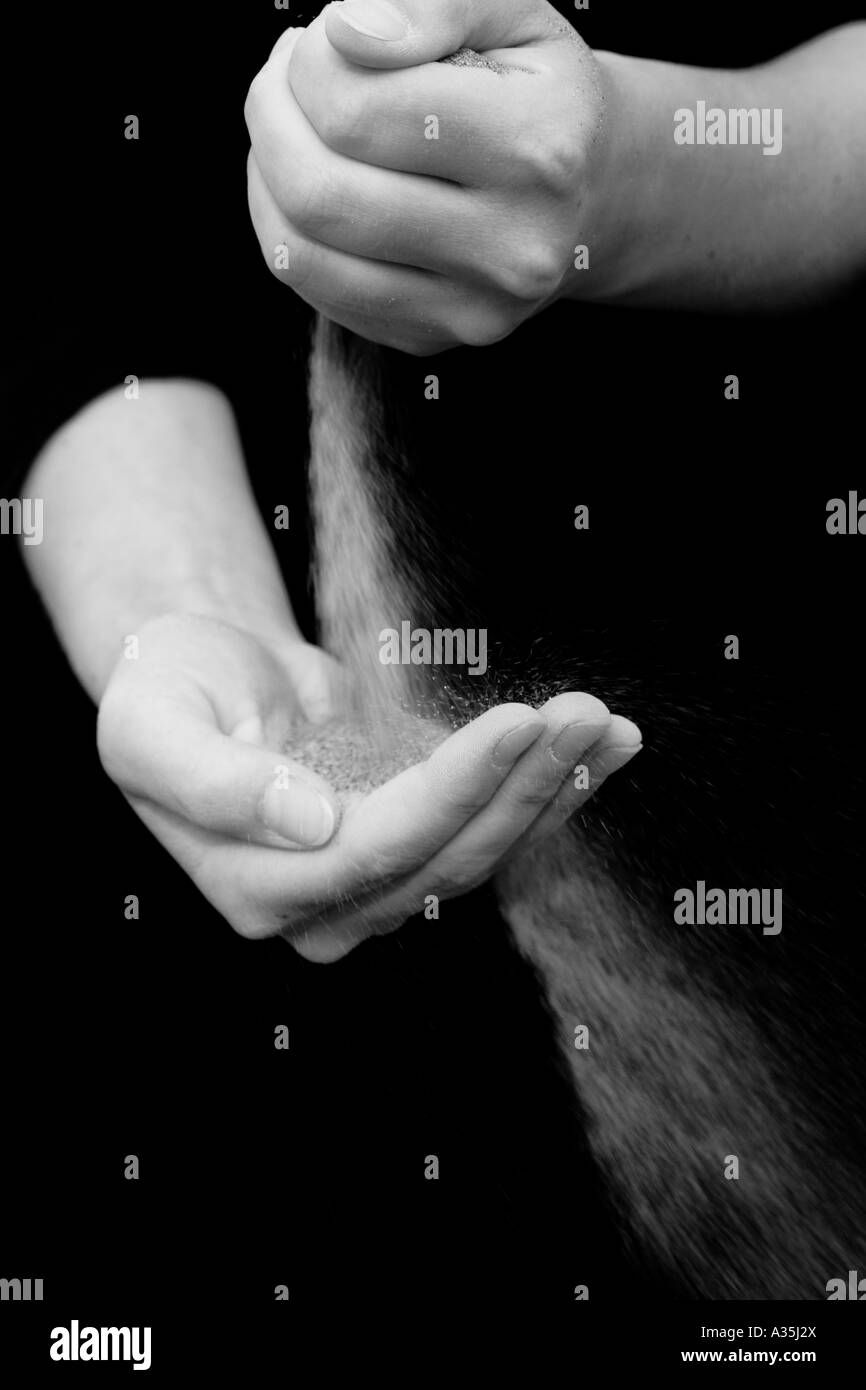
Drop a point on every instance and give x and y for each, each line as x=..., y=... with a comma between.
x=425, y=204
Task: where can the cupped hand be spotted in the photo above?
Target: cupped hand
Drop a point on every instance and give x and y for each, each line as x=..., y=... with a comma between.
x=192, y=730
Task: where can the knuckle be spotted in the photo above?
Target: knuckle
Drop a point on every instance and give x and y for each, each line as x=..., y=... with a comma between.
x=422, y=337
x=421, y=347
x=387, y=920
x=113, y=730
x=466, y=801
x=322, y=947
x=534, y=796
x=385, y=335
x=299, y=269
x=549, y=159
x=531, y=275
x=483, y=327
x=415, y=339
x=516, y=709
x=594, y=709
x=249, y=924
x=451, y=789
x=463, y=874
x=559, y=165
x=342, y=125
x=253, y=100
x=310, y=203
x=249, y=912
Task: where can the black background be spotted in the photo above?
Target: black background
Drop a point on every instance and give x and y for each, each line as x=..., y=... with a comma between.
x=156, y=1037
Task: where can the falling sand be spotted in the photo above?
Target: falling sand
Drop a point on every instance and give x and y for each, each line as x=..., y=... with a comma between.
x=357, y=501
x=360, y=499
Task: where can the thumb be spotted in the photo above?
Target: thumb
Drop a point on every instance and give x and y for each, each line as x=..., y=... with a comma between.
x=404, y=33
x=226, y=785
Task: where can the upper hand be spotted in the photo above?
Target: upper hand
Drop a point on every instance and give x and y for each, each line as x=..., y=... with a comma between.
x=421, y=204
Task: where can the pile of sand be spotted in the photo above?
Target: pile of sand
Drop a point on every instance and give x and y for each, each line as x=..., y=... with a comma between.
x=354, y=758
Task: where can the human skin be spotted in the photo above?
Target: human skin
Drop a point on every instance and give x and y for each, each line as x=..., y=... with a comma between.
x=152, y=533
x=426, y=243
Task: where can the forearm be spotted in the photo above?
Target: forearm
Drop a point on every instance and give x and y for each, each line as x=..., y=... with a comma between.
x=148, y=510
x=726, y=226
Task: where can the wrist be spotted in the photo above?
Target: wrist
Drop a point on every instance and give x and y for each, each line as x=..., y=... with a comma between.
x=625, y=181
x=172, y=603
x=223, y=595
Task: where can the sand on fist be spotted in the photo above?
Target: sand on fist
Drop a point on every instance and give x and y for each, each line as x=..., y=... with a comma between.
x=468, y=58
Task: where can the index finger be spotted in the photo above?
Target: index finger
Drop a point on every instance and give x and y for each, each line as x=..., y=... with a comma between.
x=402, y=823
x=396, y=828
x=443, y=121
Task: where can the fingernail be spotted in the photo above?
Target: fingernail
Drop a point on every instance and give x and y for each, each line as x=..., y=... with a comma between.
x=375, y=18
x=515, y=742
x=572, y=740
x=298, y=813
x=612, y=759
